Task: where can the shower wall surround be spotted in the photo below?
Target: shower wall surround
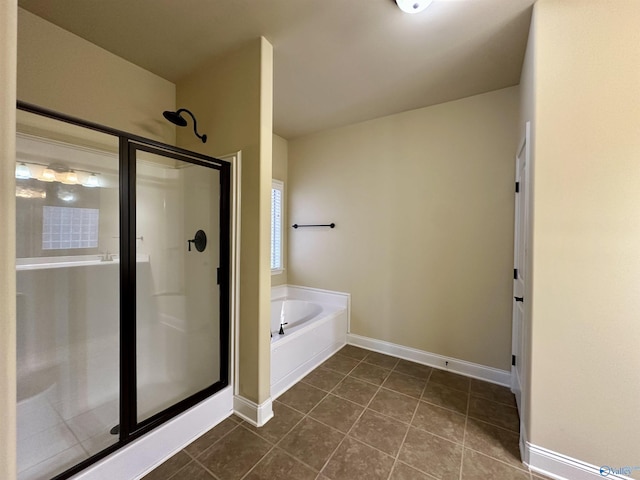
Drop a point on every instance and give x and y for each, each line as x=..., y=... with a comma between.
x=113, y=341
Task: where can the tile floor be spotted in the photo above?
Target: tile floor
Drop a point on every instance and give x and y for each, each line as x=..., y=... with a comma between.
x=364, y=415
x=50, y=440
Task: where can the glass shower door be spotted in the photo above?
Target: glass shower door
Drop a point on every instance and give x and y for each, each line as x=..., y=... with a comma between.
x=177, y=255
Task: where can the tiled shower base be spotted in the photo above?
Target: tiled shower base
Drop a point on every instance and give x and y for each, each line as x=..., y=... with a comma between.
x=53, y=437
x=48, y=444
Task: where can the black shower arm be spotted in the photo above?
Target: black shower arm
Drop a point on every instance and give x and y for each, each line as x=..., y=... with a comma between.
x=195, y=124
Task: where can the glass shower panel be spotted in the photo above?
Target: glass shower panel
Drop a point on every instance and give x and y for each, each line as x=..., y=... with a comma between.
x=177, y=295
x=67, y=249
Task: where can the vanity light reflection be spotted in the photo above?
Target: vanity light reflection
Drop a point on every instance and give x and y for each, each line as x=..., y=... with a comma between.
x=48, y=173
x=22, y=171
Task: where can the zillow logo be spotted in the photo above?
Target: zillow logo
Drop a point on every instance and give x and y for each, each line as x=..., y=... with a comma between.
x=606, y=470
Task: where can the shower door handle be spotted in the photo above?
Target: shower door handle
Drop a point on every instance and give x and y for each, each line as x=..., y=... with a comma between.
x=200, y=241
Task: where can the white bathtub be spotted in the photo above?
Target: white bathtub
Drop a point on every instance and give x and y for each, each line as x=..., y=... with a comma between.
x=293, y=314
x=316, y=327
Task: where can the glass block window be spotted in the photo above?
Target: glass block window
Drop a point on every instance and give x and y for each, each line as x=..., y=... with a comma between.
x=68, y=227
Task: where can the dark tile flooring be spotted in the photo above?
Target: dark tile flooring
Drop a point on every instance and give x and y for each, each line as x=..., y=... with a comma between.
x=364, y=415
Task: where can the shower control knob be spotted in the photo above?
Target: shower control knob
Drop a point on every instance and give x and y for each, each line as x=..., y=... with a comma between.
x=200, y=241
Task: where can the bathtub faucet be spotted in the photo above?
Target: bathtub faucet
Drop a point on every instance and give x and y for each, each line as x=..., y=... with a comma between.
x=281, y=332
x=106, y=257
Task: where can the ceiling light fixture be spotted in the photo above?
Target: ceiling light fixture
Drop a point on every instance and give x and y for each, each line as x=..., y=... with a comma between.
x=413, y=6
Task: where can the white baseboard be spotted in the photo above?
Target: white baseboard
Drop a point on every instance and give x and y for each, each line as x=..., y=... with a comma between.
x=146, y=453
x=481, y=372
x=256, y=415
x=562, y=467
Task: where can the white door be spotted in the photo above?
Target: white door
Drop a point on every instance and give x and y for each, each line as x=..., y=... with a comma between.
x=519, y=329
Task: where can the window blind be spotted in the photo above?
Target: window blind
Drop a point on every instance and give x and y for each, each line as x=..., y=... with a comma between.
x=276, y=226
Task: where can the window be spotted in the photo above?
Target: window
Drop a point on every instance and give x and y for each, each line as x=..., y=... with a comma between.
x=66, y=227
x=277, y=190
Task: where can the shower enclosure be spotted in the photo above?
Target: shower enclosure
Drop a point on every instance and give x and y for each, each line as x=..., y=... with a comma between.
x=123, y=288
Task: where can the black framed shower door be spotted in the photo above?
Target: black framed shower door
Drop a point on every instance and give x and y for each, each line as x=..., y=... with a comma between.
x=174, y=274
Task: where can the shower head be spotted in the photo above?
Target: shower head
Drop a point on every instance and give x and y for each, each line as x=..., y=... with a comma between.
x=177, y=119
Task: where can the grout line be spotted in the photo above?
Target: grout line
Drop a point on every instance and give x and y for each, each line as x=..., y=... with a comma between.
x=185, y=451
x=443, y=407
x=276, y=445
x=464, y=433
x=305, y=416
x=415, y=410
x=417, y=469
x=512, y=432
x=285, y=452
x=404, y=394
x=338, y=371
x=394, y=418
x=493, y=424
x=362, y=413
x=329, y=370
x=181, y=468
x=206, y=469
x=523, y=469
x=355, y=422
x=214, y=443
x=259, y=460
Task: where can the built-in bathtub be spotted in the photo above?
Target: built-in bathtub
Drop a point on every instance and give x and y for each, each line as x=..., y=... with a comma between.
x=315, y=324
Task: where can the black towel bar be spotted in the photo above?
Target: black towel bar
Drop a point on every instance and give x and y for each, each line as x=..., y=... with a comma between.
x=330, y=225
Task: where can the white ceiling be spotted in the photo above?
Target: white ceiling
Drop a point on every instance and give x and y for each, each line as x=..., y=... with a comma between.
x=336, y=62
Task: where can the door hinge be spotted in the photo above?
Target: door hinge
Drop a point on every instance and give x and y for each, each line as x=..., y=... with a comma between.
x=513, y=360
x=515, y=273
x=517, y=187
x=218, y=275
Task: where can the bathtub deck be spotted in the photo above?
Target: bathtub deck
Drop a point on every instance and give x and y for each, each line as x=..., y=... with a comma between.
x=366, y=415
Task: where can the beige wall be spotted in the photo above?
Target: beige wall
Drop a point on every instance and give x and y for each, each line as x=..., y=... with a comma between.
x=8, y=48
x=423, y=203
x=585, y=384
x=231, y=97
x=60, y=71
x=280, y=166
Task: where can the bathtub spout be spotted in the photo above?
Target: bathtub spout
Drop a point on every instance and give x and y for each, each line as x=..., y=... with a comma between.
x=281, y=332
